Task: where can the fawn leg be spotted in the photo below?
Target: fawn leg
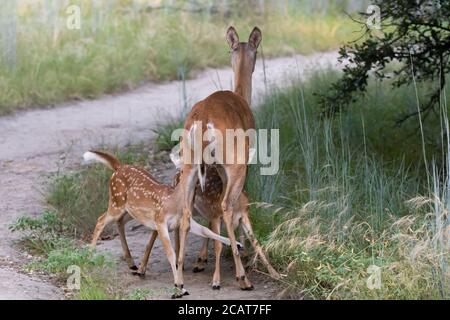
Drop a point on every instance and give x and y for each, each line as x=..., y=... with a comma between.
x=171, y=256
x=202, y=256
x=215, y=227
x=102, y=222
x=148, y=249
x=123, y=241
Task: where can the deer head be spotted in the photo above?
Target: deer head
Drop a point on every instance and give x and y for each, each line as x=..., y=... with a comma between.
x=243, y=59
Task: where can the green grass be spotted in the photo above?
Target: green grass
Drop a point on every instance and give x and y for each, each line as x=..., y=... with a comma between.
x=164, y=131
x=118, y=47
x=139, y=294
x=146, y=294
x=100, y=285
x=55, y=250
x=355, y=193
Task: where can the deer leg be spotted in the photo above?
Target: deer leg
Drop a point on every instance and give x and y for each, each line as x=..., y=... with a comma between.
x=244, y=283
x=171, y=256
x=148, y=249
x=202, y=256
x=244, y=252
x=215, y=227
x=177, y=242
x=246, y=225
x=123, y=240
x=235, y=184
x=188, y=181
x=102, y=222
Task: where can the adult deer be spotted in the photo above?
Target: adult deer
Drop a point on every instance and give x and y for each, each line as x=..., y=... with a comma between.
x=207, y=202
x=133, y=192
x=221, y=111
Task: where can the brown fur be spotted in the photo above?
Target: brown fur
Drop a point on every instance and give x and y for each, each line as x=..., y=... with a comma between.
x=134, y=192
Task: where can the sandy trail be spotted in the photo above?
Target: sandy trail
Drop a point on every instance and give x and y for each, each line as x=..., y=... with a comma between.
x=34, y=144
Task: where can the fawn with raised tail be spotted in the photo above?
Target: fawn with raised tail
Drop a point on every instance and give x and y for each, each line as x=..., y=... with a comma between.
x=133, y=192
x=222, y=111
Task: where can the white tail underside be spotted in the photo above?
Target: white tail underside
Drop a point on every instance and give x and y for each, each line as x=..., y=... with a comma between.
x=204, y=232
x=90, y=157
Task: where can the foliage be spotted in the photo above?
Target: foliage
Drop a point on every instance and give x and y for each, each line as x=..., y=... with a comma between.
x=42, y=234
x=139, y=294
x=55, y=251
x=164, y=131
x=414, y=33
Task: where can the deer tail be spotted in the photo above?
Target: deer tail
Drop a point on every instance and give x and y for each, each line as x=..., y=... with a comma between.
x=103, y=157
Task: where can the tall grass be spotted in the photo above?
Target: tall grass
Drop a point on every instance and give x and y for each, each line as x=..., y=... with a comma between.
x=350, y=203
x=121, y=44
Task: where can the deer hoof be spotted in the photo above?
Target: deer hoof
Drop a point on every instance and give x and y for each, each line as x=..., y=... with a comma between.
x=197, y=269
x=216, y=287
x=140, y=274
x=133, y=267
x=180, y=293
x=248, y=288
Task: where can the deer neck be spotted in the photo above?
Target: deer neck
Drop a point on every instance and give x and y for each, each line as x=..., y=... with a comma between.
x=243, y=84
x=176, y=196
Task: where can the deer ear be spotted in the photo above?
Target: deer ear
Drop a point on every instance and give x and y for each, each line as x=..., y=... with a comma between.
x=232, y=37
x=255, y=38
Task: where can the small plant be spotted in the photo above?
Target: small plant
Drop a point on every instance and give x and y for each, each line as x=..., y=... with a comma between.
x=100, y=284
x=46, y=237
x=43, y=234
x=164, y=133
x=60, y=259
x=139, y=294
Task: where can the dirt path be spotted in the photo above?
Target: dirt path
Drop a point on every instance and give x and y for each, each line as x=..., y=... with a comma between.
x=34, y=144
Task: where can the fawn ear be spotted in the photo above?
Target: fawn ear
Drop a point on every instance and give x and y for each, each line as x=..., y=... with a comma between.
x=255, y=38
x=232, y=37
